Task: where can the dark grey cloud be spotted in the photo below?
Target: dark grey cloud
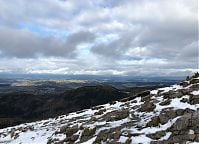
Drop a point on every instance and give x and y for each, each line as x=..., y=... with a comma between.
x=25, y=44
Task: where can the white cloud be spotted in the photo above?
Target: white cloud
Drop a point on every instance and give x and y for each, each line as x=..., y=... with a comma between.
x=99, y=37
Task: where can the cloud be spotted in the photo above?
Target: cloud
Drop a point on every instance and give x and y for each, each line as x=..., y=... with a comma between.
x=126, y=37
x=159, y=30
x=25, y=44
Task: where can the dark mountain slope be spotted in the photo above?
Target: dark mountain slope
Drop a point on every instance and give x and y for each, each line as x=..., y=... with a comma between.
x=16, y=108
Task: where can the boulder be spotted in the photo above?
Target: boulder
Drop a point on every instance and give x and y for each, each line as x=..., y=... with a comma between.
x=181, y=124
x=101, y=111
x=194, y=81
x=166, y=102
x=87, y=134
x=173, y=94
x=155, y=121
x=71, y=130
x=163, y=118
x=194, y=87
x=116, y=115
x=194, y=99
x=73, y=138
x=101, y=137
x=188, y=111
x=156, y=135
x=146, y=98
x=143, y=94
x=147, y=107
x=179, y=112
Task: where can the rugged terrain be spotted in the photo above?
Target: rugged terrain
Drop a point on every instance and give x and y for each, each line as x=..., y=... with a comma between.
x=27, y=101
x=21, y=107
x=165, y=115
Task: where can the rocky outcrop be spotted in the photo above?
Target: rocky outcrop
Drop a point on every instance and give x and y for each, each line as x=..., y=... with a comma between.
x=163, y=116
x=115, y=115
x=185, y=129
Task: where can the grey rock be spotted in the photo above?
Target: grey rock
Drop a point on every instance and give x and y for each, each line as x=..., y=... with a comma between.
x=157, y=135
x=116, y=115
x=166, y=102
x=147, y=107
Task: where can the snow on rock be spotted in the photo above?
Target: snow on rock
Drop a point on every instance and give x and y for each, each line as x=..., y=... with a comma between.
x=161, y=116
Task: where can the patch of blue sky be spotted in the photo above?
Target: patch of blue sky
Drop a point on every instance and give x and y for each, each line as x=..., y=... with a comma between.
x=85, y=54
x=35, y=29
x=107, y=38
x=43, y=31
x=84, y=48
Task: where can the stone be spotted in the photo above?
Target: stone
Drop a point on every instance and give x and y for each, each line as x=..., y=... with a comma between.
x=188, y=111
x=189, y=137
x=102, y=136
x=194, y=87
x=173, y=94
x=88, y=132
x=147, y=107
x=155, y=121
x=181, y=123
x=185, y=91
x=116, y=115
x=160, y=91
x=197, y=138
x=194, y=122
x=194, y=81
x=163, y=118
x=101, y=111
x=179, y=112
x=171, y=114
x=63, y=129
x=167, y=114
x=194, y=99
x=134, y=101
x=156, y=135
x=115, y=135
x=128, y=98
x=146, y=98
x=71, y=130
x=143, y=94
x=166, y=102
x=128, y=141
x=74, y=137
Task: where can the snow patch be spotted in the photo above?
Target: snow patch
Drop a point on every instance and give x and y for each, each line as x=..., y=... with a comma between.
x=195, y=92
x=123, y=139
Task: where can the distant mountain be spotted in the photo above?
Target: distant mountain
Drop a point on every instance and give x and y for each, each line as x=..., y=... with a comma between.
x=163, y=116
x=112, y=78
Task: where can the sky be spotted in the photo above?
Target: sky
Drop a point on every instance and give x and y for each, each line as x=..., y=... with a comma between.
x=99, y=37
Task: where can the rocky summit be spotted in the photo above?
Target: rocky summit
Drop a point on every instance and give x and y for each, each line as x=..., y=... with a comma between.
x=163, y=116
